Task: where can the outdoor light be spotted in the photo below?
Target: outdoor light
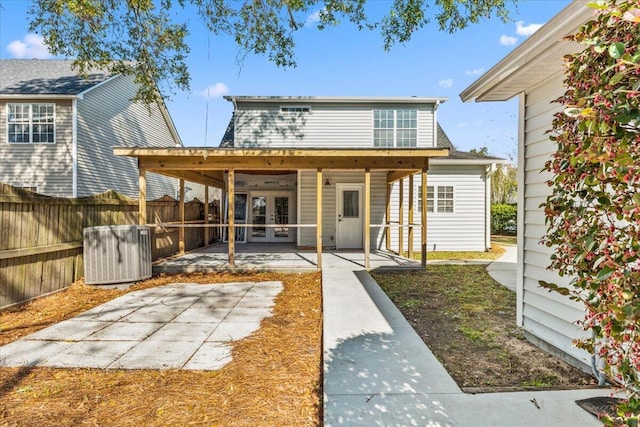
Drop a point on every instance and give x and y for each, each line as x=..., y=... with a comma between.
x=327, y=183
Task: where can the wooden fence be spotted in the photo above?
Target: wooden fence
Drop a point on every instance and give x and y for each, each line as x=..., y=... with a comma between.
x=41, y=237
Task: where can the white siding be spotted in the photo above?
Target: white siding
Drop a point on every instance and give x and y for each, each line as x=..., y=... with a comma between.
x=547, y=315
x=106, y=119
x=462, y=230
x=45, y=166
x=307, y=203
x=325, y=125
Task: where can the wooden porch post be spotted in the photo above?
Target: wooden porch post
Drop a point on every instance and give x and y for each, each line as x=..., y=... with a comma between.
x=181, y=229
x=319, y=216
x=410, y=238
x=387, y=230
x=206, y=215
x=142, y=196
x=423, y=233
x=401, y=219
x=367, y=218
x=231, y=216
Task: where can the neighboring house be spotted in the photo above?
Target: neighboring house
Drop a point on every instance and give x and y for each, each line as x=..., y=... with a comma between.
x=534, y=72
x=458, y=186
x=58, y=130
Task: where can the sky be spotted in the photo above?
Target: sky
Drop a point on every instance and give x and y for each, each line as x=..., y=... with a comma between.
x=339, y=61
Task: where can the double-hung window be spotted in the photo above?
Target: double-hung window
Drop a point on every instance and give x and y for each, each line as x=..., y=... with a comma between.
x=439, y=198
x=395, y=128
x=31, y=123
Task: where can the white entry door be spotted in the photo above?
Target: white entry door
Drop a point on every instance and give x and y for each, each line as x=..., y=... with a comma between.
x=349, y=216
x=271, y=208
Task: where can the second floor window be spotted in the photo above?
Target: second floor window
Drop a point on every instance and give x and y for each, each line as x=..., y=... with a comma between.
x=31, y=123
x=395, y=128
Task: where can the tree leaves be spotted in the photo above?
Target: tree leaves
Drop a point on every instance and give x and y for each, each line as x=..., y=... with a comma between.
x=146, y=39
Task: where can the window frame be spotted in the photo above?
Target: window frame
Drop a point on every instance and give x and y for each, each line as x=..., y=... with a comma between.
x=435, y=199
x=30, y=122
x=395, y=129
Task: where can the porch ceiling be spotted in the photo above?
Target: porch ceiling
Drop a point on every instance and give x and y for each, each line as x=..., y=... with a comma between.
x=206, y=166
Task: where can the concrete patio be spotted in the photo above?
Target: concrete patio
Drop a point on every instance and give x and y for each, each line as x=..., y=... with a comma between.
x=271, y=257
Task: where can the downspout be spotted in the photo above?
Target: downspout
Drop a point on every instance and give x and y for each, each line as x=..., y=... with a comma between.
x=489, y=171
x=597, y=363
x=74, y=147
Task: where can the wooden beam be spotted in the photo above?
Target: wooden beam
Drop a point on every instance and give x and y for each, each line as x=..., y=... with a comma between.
x=401, y=219
x=367, y=218
x=410, y=236
x=181, y=229
x=423, y=229
x=39, y=250
x=216, y=181
x=142, y=196
x=319, y=185
x=387, y=231
x=206, y=215
x=231, y=231
x=396, y=175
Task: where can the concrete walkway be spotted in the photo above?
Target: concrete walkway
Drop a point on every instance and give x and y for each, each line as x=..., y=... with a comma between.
x=378, y=372
x=178, y=326
x=503, y=270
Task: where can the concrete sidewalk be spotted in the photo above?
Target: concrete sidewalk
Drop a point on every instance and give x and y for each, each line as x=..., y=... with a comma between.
x=378, y=372
x=503, y=270
x=177, y=326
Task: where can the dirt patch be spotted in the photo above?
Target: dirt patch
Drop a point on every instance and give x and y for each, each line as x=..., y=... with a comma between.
x=273, y=379
x=469, y=322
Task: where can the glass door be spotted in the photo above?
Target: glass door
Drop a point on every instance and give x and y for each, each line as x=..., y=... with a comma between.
x=258, y=218
x=271, y=214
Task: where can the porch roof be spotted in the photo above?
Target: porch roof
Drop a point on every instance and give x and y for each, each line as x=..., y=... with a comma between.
x=207, y=165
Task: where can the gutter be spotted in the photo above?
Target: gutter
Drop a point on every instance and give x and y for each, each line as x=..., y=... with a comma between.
x=74, y=147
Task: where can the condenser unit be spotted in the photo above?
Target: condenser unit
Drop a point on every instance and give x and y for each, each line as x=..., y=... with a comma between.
x=116, y=254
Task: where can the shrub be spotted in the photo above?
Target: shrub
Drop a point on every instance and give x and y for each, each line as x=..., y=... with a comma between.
x=503, y=219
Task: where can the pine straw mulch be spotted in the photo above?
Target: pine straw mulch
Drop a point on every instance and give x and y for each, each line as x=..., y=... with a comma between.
x=273, y=379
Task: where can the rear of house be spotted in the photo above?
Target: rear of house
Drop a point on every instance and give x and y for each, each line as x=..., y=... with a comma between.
x=58, y=129
x=534, y=72
x=457, y=191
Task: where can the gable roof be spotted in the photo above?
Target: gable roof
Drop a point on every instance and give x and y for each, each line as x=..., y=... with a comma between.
x=535, y=60
x=455, y=154
x=45, y=77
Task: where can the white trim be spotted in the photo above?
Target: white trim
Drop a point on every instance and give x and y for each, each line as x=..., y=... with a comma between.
x=520, y=213
x=465, y=162
x=97, y=85
x=532, y=49
x=35, y=96
x=298, y=213
x=489, y=171
x=74, y=147
x=336, y=99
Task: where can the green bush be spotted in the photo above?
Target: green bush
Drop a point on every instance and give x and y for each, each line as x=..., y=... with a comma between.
x=503, y=219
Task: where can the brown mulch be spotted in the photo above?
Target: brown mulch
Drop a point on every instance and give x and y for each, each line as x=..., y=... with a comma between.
x=273, y=379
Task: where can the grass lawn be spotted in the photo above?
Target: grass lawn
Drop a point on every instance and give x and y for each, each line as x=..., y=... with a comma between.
x=508, y=240
x=468, y=321
x=495, y=253
x=273, y=379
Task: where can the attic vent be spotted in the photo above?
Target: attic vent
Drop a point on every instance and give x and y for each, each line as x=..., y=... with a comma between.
x=295, y=109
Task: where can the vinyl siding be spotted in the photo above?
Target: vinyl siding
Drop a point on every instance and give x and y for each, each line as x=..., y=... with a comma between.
x=307, y=204
x=45, y=166
x=462, y=230
x=547, y=315
x=106, y=119
x=325, y=125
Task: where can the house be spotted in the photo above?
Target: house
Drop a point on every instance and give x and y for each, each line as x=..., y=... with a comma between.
x=534, y=73
x=323, y=172
x=58, y=130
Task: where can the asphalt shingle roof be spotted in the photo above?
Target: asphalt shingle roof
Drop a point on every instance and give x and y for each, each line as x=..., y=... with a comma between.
x=44, y=77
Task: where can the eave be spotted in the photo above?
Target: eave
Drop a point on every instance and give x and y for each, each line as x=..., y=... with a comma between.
x=535, y=60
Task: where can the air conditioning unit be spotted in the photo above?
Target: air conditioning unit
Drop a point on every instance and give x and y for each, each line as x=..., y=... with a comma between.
x=116, y=254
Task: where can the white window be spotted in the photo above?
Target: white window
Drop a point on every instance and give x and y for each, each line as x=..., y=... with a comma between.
x=395, y=128
x=441, y=199
x=31, y=123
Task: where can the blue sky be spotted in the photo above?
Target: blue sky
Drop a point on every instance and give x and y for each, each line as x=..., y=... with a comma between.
x=340, y=61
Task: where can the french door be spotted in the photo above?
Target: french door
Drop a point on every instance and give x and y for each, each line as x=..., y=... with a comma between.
x=271, y=213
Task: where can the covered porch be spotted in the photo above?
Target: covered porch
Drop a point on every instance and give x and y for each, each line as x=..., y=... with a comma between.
x=274, y=257
x=218, y=167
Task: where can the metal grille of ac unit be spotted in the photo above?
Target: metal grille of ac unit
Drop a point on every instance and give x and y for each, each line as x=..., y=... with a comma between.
x=116, y=254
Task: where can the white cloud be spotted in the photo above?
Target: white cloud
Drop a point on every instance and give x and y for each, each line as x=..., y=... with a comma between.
x=526, y=30
x=475, y=71
x=215, y=91
x=31, y=46
x=446, y=83
x=508, y=40
x=312, y=19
